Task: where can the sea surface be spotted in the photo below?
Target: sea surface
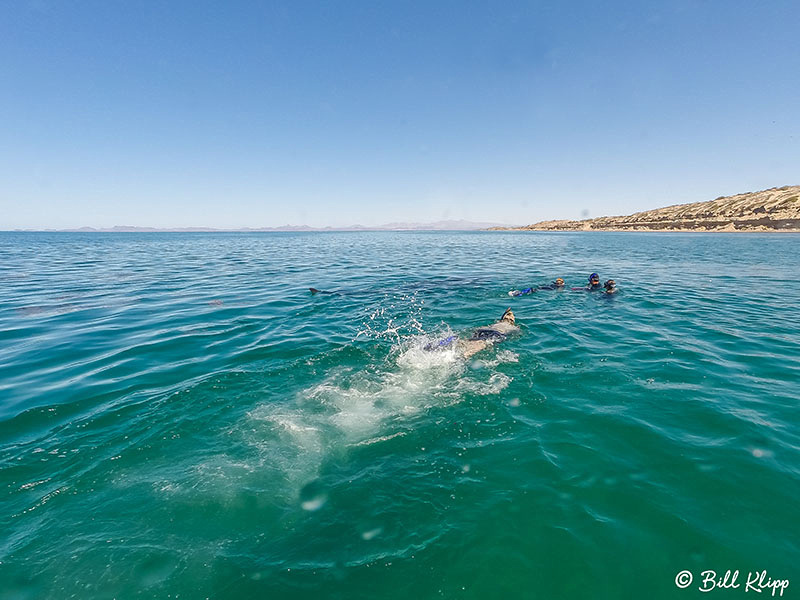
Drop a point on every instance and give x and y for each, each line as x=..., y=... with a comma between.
x=181, y=418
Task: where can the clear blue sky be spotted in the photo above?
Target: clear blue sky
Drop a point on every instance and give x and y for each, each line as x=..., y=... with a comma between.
x=229, y=114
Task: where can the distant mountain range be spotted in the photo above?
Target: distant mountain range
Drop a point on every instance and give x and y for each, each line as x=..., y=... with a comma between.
x=775, y=209
x=459, y=225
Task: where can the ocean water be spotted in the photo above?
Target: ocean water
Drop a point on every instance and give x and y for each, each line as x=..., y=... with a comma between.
x=181, y=418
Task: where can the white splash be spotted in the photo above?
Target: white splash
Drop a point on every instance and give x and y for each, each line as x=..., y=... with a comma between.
x=353, y=409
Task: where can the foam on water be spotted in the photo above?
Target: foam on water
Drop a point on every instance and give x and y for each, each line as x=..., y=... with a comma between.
x=354, y=408
x=500, y=357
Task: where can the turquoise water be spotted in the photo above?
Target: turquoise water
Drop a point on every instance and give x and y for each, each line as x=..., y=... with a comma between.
x=180, y=417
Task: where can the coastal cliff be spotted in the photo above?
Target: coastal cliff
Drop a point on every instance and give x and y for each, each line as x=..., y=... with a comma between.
x=775, y=209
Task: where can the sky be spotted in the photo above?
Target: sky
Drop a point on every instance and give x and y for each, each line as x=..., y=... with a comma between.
x=254, y=114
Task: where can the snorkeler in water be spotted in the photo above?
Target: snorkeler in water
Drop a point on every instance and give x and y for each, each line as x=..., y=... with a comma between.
x=593, y=285
x=610, y=287
x=481, y=338
x=558, y=284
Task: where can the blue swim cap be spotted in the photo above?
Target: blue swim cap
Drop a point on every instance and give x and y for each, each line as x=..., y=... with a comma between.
x=594, y=276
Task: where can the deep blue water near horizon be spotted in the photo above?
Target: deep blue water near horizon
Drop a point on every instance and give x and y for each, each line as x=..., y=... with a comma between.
x=181, y=418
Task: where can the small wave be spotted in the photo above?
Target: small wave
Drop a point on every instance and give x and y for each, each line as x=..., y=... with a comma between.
x=44, y=500
x=383, y=438
x=33, y=484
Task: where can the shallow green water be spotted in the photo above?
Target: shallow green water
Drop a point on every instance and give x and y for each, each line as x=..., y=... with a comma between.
x=180, y=417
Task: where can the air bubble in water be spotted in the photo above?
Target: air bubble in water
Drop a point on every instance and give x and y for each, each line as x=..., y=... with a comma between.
x=314, y=503
x=371, y=534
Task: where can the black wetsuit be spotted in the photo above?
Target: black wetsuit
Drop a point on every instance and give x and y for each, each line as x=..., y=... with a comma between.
x=487, y=334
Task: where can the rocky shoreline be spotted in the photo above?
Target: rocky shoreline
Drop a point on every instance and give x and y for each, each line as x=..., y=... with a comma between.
x=775, y=209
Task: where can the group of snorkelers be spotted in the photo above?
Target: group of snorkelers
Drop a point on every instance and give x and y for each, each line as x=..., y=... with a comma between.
x=609, y=287
x=488, y=335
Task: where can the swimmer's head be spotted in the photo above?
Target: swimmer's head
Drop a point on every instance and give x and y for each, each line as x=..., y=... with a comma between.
x=594, y=279
x=559, y=282
x=508, y=316
x=610, y=284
